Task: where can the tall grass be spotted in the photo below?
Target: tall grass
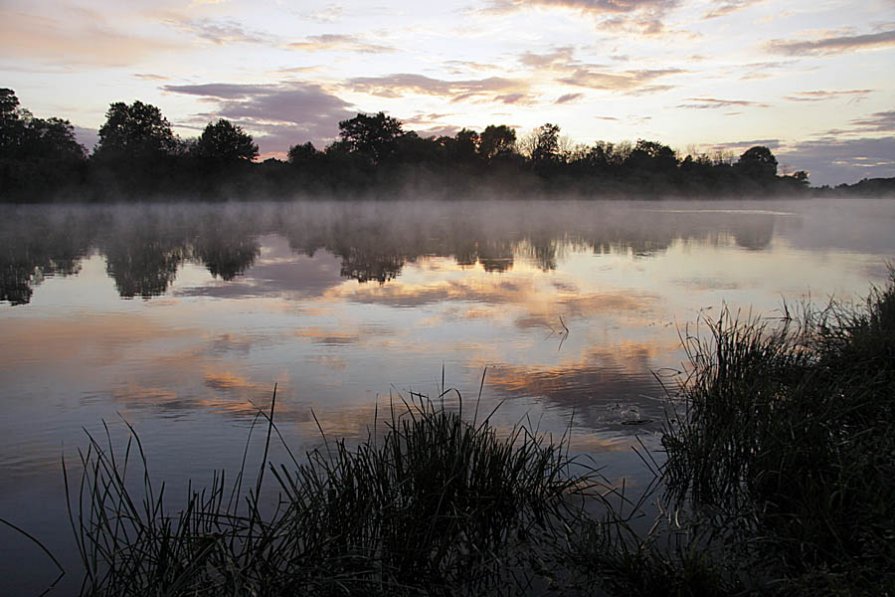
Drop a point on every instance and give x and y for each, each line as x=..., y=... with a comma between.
x=786, y=442
x=432, y=504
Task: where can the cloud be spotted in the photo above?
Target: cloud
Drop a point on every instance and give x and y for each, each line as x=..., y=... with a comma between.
x=569, y=98
x=722, y=9
x=328, y=14
x=295, y=277
x=711, y=103
x=220, y=32
x=560, y=57
x=78, y=37
x=607, y=387
x=327, y=337
x=834, y=161
x=391, y=86
x=882, y=122
x=86, y=137
x=587, y=6
x=287, y=113
x=824, y=95
x=457, y=67
x=339, y=43
x=833, y=44
x=629, y=81
x=644, y=16
x=151, y=77
x=760, y=70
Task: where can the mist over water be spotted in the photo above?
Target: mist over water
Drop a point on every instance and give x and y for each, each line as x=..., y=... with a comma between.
x=181, y=318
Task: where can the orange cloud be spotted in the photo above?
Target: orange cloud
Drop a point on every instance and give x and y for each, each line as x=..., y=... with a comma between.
x=79, y=37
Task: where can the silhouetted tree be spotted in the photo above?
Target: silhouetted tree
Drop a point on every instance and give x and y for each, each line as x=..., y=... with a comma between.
x=223, y=142
x=137, y=151
x=758, y=163
x=11, y=122
x=135, y=131
x=410, y=148
x=375, y=137
x=299, y=154
x=651, y=156
x=36, y=155
x=497, y=141
x=542, y=145
x=51, y=139
x=467, y=145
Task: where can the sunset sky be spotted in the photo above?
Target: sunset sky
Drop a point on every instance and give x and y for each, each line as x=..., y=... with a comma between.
x=812, y=80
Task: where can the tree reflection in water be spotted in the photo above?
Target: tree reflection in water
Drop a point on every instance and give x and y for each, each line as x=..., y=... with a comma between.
x=144, y=246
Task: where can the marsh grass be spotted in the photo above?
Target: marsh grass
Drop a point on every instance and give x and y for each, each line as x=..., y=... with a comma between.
x=431, y=503
x=785, y=442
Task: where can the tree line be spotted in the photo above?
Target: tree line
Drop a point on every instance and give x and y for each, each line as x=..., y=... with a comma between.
x=139, y=156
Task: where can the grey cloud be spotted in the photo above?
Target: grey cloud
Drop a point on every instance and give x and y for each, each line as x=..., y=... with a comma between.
x=151, y=77
x=711, y=103
x=560, y=57
x=591, y=6
x=743, y=145
x=86, y=137
x=399, y=84
x=644, y=16
x=339, y=43
x=631, y=80
x=883, y=122
x=511, y=98
x=823, y=95
x=833, y=161
x=287, y=112
x=221, y=32
x=569, y=98
x=720, y=9
x=833, y=44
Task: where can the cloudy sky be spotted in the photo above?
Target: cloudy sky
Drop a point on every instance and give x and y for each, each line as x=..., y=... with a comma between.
x=811, y=79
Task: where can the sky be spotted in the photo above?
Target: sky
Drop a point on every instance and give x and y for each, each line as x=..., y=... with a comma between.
x=811, y=80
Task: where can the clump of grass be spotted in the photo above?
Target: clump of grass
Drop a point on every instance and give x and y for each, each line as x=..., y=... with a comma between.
x=434, y=504
x=786, y=441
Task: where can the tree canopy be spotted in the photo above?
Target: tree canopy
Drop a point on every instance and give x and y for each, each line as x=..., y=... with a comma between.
x=758, y=162
x=374, y=137
x=138, y=154
x=132, y=131
x=224, y=142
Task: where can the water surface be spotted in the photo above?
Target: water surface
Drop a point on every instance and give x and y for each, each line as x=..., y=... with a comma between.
x=179, y=319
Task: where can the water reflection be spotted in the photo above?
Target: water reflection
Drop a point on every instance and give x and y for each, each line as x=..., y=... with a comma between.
x=145, y=246
x=570, y=306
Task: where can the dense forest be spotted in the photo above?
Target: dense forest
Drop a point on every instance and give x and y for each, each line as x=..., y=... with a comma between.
x=139, y=156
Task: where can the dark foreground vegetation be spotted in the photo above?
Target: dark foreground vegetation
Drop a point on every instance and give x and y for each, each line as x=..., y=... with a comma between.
x=139, y=157
x=777, y=479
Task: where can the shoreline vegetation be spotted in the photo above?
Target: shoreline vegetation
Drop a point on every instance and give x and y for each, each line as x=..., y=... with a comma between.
x=776, y=478
x=138, y=157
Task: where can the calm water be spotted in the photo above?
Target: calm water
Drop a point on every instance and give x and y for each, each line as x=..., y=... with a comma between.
x=181, y=318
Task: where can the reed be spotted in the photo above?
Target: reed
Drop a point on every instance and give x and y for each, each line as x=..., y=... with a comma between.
x=785, y=440
x=431, y=504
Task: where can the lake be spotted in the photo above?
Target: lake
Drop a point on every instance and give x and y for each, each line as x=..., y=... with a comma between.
x=180, y=319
